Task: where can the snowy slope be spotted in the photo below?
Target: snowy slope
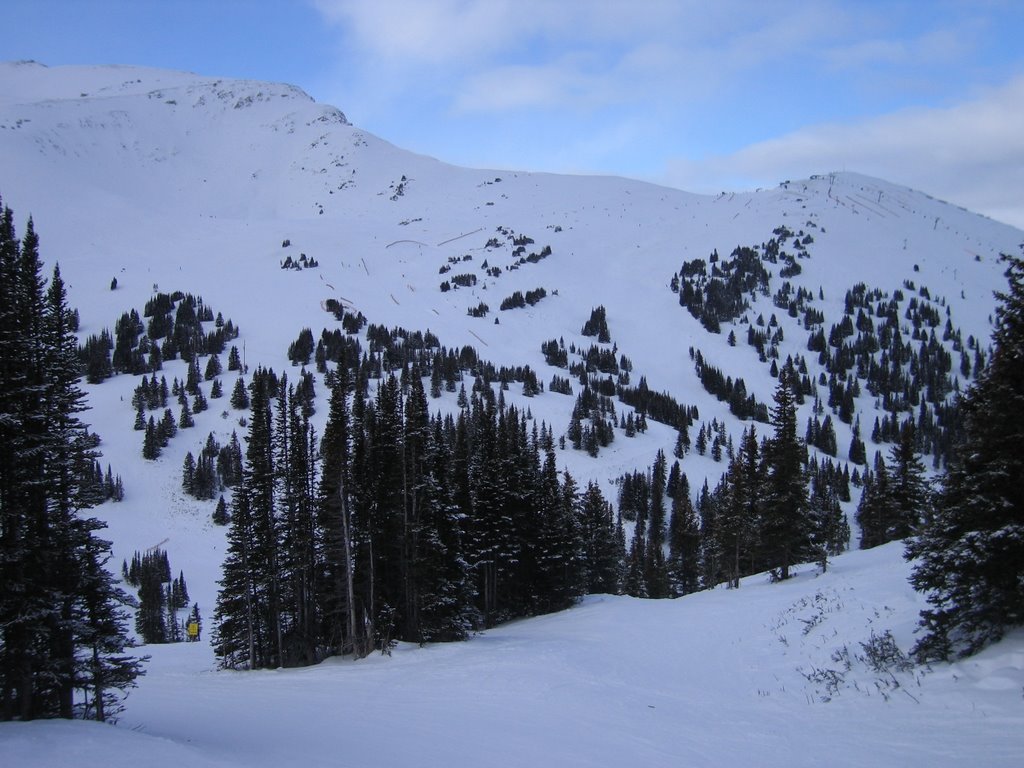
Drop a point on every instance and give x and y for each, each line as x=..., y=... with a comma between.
x=172, y=181
x=717, y=678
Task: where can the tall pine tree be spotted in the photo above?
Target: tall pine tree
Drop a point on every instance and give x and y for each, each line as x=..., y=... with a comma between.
x=784, y=521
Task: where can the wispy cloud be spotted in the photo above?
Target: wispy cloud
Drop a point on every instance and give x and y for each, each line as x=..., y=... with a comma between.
x=571, y=47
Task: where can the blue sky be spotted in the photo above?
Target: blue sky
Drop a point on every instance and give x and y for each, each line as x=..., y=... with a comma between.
x=733, y=94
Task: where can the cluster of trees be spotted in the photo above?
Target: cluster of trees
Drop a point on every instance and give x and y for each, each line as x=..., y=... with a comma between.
x=518, y=300
x=140, y=347
x=822, y=435
x=660, y=406
x=897, y=346
x=560, y=384
x=896, y=498
x=915, y=376
x=217, y=468
x=351, y=323
x=741, y=405
x=722, y=296
x=532, y=258
x=418, y=354
x=464, y=280
x=63, y=636
x=595, y=360
x=303, y=262
x=161, y=596
x=99, y=486
x=600, y=360
x=153, y=395
x=771, y=508
x=968, y=544
x=712, y=438
x=300, y=350
x=593, y=421
x=555, y=353
x=157, y=434
x=409, y=526
x=597, y=325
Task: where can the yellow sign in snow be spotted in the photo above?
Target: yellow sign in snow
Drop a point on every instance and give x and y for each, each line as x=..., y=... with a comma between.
x=193, y=630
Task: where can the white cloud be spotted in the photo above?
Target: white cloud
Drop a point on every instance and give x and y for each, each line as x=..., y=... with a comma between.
x=971, y=154
x=460, y=35
x=936, y=47
x=414, y=32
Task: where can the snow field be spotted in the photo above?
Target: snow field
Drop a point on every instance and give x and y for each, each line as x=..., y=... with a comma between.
x=712, y=679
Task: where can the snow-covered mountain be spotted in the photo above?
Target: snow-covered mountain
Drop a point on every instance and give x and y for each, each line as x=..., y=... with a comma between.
x=168, y=181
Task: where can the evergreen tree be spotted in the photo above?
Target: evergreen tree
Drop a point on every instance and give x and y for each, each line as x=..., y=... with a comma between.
x=969, y=557
x=186, y=421
x=710, y=549
x=153, y=576
x=558, y=575
x=220, y=514
x=213, y=368
x=239, y=395
x=684, y=541
x=295, y=466
x=167, y=428
x=682, y=446
x=784, y=518
x=897, y=498
x=188, y=474
x=601, y=552
x=61, y=623
x=829, y=530
x=229, y=462
x=237, y=626
x=827, y=437
x=738, y=514
x=857, y=452
x=248, y=616
x=96, y=353
x=104, y=672
x=261, y=488
x=874, y=509
x=635, y=580
x=910, y=493
x=341, y=623
x=445, y=594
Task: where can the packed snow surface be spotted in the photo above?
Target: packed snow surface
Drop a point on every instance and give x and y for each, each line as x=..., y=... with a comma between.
x=717, y=678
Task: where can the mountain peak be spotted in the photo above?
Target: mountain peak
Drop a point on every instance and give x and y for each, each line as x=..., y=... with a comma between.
x=29, y=82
